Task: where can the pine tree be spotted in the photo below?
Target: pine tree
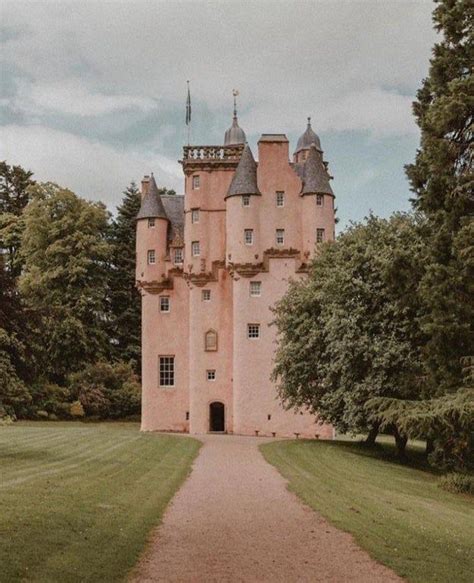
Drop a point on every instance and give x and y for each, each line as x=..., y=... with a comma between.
x=124, y=299
x=443, y=181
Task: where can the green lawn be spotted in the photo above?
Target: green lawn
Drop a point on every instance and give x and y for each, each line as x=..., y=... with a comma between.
x=77, y=501
x=397, y=513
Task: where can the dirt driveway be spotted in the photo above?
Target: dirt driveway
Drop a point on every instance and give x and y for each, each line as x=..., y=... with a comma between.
x=234, y=520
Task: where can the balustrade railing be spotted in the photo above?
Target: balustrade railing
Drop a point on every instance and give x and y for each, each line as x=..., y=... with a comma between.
x=215, y=153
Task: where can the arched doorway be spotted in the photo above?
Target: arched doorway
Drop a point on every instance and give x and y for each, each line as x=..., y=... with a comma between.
x=216, y=416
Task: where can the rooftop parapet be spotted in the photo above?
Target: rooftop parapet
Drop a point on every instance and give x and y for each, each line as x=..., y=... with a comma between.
x=199, y=157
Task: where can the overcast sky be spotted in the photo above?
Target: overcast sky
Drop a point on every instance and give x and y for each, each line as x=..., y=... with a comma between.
x=93, y=92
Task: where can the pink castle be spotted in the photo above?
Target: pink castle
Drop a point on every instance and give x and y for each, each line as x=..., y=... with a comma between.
x=210, y=264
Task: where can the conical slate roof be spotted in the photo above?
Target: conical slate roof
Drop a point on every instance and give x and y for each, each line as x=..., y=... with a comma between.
x=152, y=205
x=245, y=177
x=315, y=176
x=308, y=138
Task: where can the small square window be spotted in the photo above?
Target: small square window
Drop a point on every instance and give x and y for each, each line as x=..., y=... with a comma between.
x=195, y=216
x=280, y=236
x=151, y=257
x=166, y=371
x=280, y=199
x=195, y=249
x=178, y=256
x=253, y=330
x=248, y=236
x=246, y=200
x=206, y=295
x=211, y=375
x=319, y=235
x=319, y=200
x=164, y=303
x=255, y=289
x=151, y=222
x=196, y=182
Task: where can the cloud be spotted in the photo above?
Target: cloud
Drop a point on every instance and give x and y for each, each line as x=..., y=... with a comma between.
x=69, y=96
x=91, y=169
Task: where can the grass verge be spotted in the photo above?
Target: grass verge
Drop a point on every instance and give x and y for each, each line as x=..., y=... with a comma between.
x=396, y=512
x=77, y=501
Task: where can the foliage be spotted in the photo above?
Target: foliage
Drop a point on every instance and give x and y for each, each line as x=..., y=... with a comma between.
x=107, y=390
x=349, y=332
x=51, y=398
x=76, y=409
x=447, y=422
x=64, y=279
x=457, y=483
x=124, y=299
x=14, y=396
x=442, y=179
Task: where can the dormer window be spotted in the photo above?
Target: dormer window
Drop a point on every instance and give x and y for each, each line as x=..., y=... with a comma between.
x=196, y=182
x=151, y=223
x=280, y=199
x=246, y=200
x=319, y=200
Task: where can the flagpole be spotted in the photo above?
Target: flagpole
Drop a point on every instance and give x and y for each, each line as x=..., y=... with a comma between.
x=188, y=114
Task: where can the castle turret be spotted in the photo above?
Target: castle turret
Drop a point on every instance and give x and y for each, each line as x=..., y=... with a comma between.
x=235, y=134
x=152, y=231
x=304, y=143
x=242, y=212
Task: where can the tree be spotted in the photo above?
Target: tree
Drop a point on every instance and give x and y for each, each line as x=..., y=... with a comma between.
x=442, y=179
x=349, y=332
x=124, y=299
x=65, y=254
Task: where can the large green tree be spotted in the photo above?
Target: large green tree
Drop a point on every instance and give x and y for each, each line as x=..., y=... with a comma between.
x=443, y=181
x=350, y=331
x=124, y=299
x=65, y=252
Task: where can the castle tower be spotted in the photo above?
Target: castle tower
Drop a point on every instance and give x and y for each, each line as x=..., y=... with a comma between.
x=248, y=227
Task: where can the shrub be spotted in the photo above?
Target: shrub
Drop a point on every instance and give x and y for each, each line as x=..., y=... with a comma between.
x=52, y=399
x=457, y=483
x=76, y=409
x=107, y=390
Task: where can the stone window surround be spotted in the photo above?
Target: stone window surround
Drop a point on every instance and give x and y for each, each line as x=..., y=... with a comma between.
x=166, y=370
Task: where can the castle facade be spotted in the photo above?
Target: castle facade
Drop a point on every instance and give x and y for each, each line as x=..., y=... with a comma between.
x=210, y=264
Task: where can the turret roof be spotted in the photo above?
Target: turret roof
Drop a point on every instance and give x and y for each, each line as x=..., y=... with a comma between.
x=308, y=138
x=245, y=177
x=315, y=175
x=152, y=205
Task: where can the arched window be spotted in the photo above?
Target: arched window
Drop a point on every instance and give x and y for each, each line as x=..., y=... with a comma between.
x=210, y=340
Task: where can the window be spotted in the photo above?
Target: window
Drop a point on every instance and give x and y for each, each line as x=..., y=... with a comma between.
x=206, y=295
x=319, y=235
x=151, y=222
x=253, y=330
x=151, y=257
x=280, y=199
x=178, y=256
x=246, y=200
x=195, y=250
x=196, y=182
x=164, y=303
x=210, y=341
x=211, y=375
x=187, y=415
x=166, y=371
x=280, y=236
x=319, y=200
x=255, y=288
x=248, y=236
x=195, y=216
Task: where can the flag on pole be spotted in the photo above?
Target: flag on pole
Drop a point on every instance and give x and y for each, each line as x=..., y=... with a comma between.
x=188, y=107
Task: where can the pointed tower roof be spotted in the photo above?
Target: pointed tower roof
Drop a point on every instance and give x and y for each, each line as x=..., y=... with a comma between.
x=152, y=205
x=245, y=177
x=235, y=134
x=308, y=138
x=315, y=175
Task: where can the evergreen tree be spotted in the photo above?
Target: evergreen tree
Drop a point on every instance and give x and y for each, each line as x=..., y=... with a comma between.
x=443, y=180
x=65, y=251
x=124, y=299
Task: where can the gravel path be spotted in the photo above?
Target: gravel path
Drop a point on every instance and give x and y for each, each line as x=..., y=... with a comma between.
x=234, y=520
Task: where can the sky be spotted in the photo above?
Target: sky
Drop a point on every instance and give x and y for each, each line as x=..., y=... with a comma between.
x=93, y=92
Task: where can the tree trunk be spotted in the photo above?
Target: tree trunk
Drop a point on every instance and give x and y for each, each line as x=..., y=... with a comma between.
x=401, y=443
x=372, y=436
